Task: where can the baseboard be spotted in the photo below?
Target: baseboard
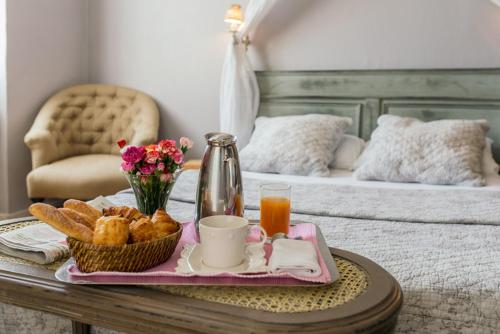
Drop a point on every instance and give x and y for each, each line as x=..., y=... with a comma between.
x=17, y=214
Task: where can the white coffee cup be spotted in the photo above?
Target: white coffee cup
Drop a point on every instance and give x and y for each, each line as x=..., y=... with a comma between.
x=223, y=240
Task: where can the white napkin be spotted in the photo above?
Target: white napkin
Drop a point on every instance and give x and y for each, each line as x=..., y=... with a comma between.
x=296, y=257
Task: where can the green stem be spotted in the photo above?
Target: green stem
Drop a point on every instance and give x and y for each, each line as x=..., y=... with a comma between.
x=152, y=194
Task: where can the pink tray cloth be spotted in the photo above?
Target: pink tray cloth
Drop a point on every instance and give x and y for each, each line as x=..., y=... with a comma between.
x=165, y=273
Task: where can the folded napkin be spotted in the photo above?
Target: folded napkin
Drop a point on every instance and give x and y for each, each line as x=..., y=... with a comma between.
x=39, y=243
x=297, y=257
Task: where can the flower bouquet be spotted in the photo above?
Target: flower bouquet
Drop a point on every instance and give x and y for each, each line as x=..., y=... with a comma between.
x=152, y=171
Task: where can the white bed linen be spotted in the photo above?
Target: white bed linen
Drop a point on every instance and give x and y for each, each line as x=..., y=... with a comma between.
x=345, y=177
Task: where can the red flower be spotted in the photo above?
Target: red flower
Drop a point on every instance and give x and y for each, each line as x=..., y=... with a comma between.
x=167, y=146
x=152, y=156
x=121, y=143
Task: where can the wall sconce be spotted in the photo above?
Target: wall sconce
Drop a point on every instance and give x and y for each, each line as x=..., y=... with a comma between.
x=234, y=17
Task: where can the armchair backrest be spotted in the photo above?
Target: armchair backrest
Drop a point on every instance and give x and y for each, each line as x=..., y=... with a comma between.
x=90, y=119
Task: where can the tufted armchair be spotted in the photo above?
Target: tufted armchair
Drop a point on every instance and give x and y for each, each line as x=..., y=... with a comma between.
x=73, y=140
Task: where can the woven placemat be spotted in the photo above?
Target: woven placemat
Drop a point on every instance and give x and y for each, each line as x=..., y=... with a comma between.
x=353, y=282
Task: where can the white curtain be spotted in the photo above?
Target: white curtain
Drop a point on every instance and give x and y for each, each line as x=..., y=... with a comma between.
x=239, y=96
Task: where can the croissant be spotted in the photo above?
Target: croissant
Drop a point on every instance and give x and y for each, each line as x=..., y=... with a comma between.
x=111, y=231
x=61, y=222
x=163, y=223
x=83, y=208
x=123, y=211
x=142, y=230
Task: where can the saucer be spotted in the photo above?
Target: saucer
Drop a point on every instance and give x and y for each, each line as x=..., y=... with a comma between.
x=190, y=262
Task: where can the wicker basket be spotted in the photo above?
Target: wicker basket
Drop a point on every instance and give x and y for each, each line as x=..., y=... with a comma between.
x=127, y=258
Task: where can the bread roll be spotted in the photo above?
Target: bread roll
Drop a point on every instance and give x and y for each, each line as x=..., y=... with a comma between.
x=111, y=231
x=50, y=215
x=124, y=211
x=164, y=224
x=78, y=217
x=83, y=208
x=142, y=230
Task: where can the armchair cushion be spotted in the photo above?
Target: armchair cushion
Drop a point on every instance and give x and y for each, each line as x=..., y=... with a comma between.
x=81, y=177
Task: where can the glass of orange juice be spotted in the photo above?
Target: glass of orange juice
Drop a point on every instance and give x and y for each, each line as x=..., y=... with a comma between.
x=275, y=208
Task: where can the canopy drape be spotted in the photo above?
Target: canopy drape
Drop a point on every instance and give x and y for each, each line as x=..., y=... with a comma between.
x=239, y=95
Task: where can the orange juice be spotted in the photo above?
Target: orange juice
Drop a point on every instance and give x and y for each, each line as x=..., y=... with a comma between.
x=275, y=214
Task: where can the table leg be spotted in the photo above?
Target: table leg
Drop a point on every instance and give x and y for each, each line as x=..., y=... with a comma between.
x=80, y=327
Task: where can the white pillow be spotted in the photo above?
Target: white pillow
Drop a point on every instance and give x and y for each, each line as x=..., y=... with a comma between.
x=296, y=145
x=404, y=149
x=349, y=150
x=490, y=166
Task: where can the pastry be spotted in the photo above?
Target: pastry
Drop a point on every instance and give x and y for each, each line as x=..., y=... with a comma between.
x=111, y=231
x=83, y=208
x=61, y=222
x=123, y=211
x=78, y=217
x=142, y=230
x=163, y=223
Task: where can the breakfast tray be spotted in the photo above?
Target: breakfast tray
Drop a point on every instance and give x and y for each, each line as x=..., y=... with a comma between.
x=165, y=275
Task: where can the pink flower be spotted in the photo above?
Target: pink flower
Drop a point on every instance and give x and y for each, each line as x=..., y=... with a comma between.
x=186, y=142
x=144, y=179
x=148, y=169
x=133, y=154
x=165, y=177
x=167, y=146
x=152, y=157
x=161, y=166
x=127, y=166
x=178, y=156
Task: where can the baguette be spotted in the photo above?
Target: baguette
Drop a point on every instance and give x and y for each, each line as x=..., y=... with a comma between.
x=50, y=215
x=78, y=217
x=83, y=208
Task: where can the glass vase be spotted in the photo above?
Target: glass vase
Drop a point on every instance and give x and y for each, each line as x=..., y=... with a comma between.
x=151, y=193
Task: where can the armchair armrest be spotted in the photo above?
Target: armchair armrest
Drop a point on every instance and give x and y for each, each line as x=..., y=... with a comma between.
x=42, y=146
x=36, y=138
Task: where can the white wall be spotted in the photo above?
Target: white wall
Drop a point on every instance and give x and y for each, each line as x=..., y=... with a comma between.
x=382, y=34
x=46, y=51
x=174, y=50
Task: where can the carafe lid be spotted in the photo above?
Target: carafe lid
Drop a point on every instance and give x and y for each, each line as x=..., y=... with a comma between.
x=220, y=139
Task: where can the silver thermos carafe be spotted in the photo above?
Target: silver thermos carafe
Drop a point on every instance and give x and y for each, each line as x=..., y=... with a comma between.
x=220, y=188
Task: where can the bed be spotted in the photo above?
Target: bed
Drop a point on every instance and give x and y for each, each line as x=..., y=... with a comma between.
x=440, y=242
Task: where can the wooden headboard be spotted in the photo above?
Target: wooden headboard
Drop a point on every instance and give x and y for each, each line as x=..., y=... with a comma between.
x=365, y=95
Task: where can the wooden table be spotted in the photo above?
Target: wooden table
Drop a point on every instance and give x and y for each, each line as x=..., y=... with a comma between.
x=140, y=310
